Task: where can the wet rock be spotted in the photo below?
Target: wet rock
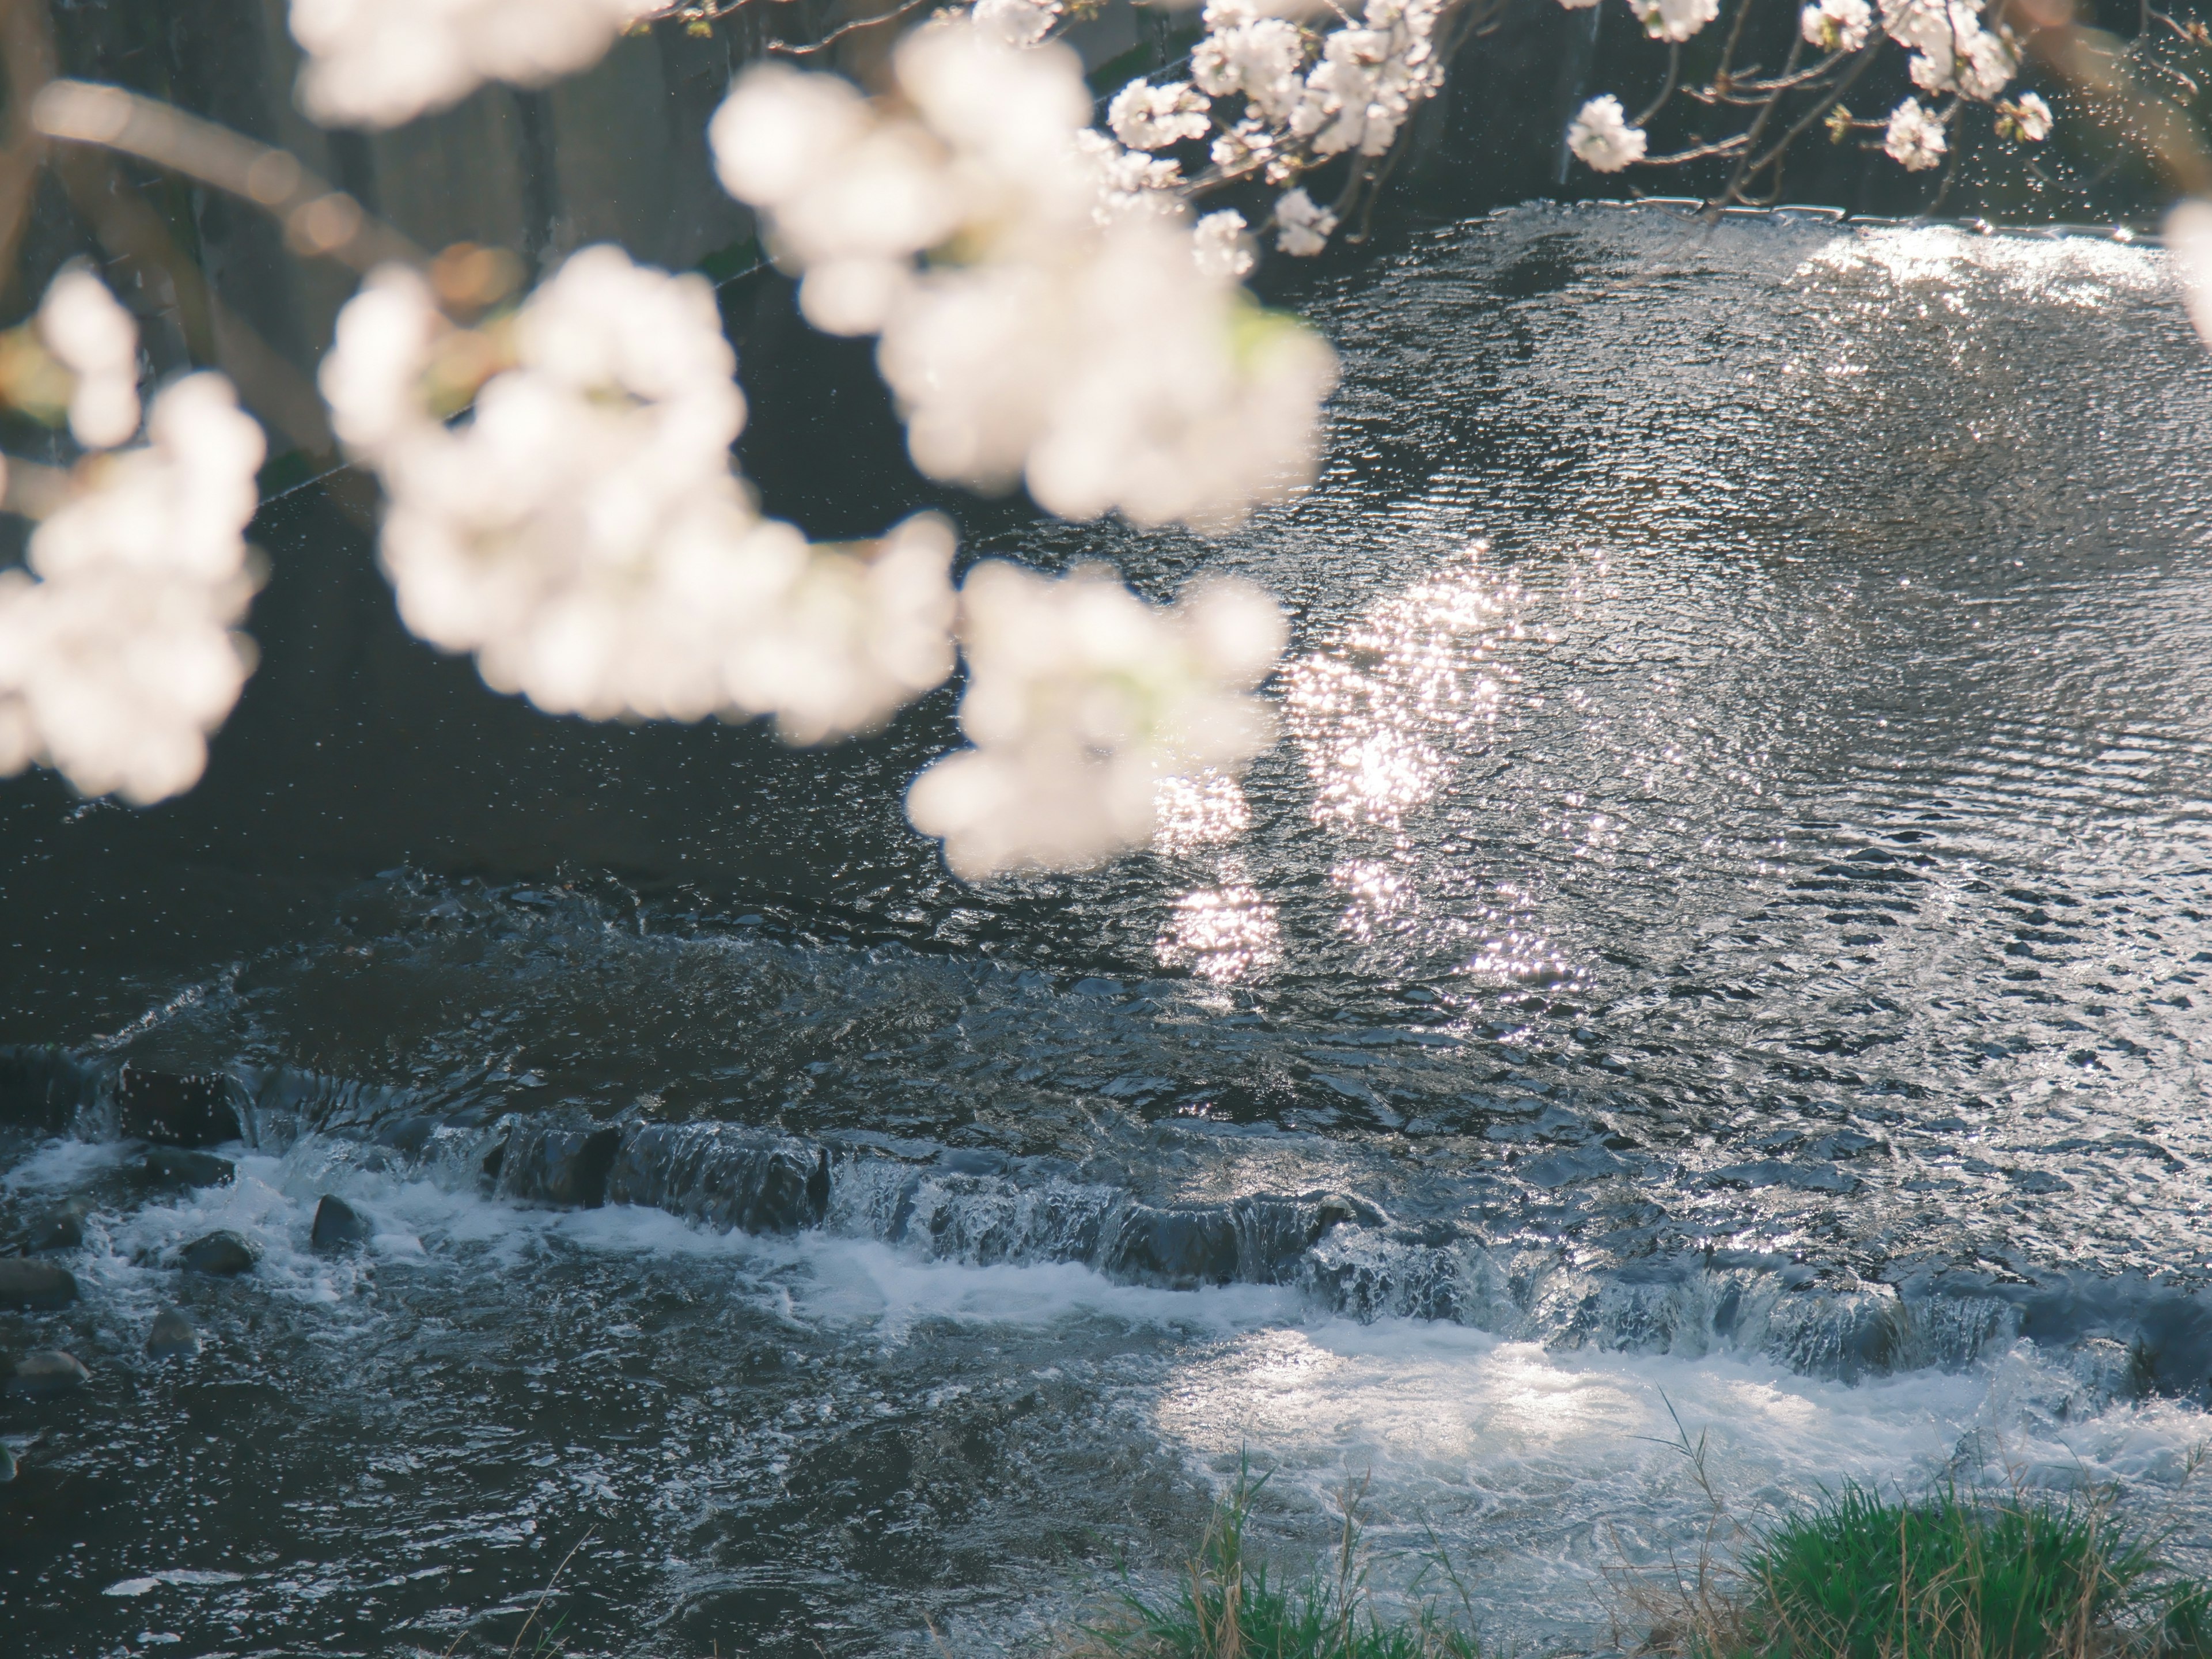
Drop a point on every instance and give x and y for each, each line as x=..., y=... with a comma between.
x=61, y=1227
x=559, y=1162
x=47, y=1373
x=1180, y=1248
x=724, y=1176
x=173, y=1333
x=337, y=1223
x=177, y=1166
x=176, y=1108
x=41, y=1087
x=26, y=1284
x=222, y=1254
x=6, y=1466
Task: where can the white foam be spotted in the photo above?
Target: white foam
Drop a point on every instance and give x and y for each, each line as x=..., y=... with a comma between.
x=60, y=1163
x=1543, y=1470
x=424, y=1225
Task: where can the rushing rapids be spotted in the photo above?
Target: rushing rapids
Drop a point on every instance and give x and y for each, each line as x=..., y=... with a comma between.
x=1718, y=953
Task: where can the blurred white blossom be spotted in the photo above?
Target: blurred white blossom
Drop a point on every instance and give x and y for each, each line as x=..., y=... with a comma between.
x=1302, y=226
x=1674, y=20
x=1146, y=117
x=1059, y=333
x=583, y=532
x=1914, y=139
x=1837, y=25
x=1081, y=699
x=94, y=338
x=1601, y=138
x=117, y=654
x=380, y=63
x=2187, y=235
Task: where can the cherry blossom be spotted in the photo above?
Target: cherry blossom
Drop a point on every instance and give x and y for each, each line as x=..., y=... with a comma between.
x=380, y=63
x=94, y=338
x=117, y=653
x=1837, y=25
x=1601, y=138
x=1914, y=139
x=1081, y=700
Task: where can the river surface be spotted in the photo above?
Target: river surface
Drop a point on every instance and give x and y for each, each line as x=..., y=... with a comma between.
x=1718, y=953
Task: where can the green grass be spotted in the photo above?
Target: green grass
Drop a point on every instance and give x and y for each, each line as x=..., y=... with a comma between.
x=1953, y=1577
x=1857, y=1577
x=1227, y=1605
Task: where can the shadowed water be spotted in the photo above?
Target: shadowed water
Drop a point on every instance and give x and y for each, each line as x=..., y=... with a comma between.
x=1722, y=931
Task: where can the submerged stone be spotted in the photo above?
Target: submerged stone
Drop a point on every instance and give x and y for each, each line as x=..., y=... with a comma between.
x=41, y=1086
x=337, y=1223
x=178, y=1166
x=47, y=1373
x=222, y=1254
x=173, y=1333
x=176, y=1108
x=61, y=1227
x=557, y=1161
x=26, y=1284
x=724, y=1176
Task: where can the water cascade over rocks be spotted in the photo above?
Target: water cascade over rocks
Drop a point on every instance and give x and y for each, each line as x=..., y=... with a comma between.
x=1345, y=1254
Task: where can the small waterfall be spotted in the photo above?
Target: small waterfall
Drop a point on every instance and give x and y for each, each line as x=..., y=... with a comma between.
x=2124, y=1335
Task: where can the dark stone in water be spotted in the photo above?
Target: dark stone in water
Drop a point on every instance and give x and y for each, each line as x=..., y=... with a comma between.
x=337, y=1223
x=173, y=1333
x=61, y=1227
x=41, y=1086
x=723, y=1176
x=26, y=1284
x=176, y=1108
x=6, y=1466
x=47, y=1373
x=1257, y=1240
x=223, y=1254
x=175, y=1166
x=558, y=1161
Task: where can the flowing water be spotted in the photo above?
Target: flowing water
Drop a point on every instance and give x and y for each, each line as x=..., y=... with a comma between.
x=1716, y=954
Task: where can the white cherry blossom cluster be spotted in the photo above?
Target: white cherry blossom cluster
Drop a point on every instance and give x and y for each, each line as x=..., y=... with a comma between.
x=1952, y=50
x=583, y=533
x=380, y=63
x=1097, y=718
x=1601, y=138
x=1277, y=99
x=1837, y=25
x=1019, y=23
x=2026, y=117
x=117, y=653
x=1046, y=316
x=1674, y=21
x=1914, y=138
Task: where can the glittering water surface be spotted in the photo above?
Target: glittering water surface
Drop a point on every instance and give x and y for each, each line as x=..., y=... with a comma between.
x=1717, y=949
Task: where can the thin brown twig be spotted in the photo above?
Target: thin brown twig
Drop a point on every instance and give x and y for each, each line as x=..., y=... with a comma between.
x=838, y=33
x=515, y=1646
